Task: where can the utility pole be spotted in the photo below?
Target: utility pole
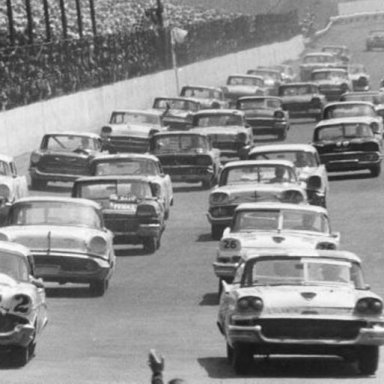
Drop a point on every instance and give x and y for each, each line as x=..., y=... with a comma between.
x=47, y=21
x=30, y=21
x=79, y=19
x=63, y=19
x=93, y=17
x=10, y=23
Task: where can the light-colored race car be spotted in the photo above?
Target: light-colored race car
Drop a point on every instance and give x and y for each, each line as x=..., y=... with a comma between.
x=134, y=164
x=306, y=159
x=12, y=185
x=23, y=307
x=375, y=39
x=208, y=97
x=342, y=52
x=317, y=60
x=359, y=77
x=271, y=225
x=251, y=181
x=301, y=302
x=130, y=130
x=67, y=238
x=332, y=82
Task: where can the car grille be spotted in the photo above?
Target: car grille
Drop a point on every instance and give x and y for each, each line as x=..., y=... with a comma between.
x=310, y=329
x=8, y=322
x=175, y=171
x=66, y=165
x=298, y=107
x=121, y=223
x=368, y=156
x=129, y=144
x=259, y=123
x=183, y=160
x=65, y=263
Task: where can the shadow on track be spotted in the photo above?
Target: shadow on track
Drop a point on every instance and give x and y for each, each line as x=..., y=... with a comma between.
x=210, y=299
x=275, y=367
x=64, y=292
x=350, y=176
x=204, y=237
x=188, y=188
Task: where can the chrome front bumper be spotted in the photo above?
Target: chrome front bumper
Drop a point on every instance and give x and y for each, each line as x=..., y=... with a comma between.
x=21, y=335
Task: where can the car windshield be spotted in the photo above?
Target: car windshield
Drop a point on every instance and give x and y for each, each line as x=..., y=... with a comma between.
x=125, y=167
x=4, y=169
x=265, y=174
x=250, y=104
x=296, y=90
x=134, y=118
x=179, y=104
x=319, y=59
x=299, y=158
x=200, y=93
x=105, y=191
x=14, y=266
x=55, y=213
x=349, y=110
x=329, y=75
x=301, y=271
x=280, y=219
x=344, y=131
x=65, y=143
x=216, y=120
x=180, y=143
x=250, y=81
x=374, y=98
x=265, y=73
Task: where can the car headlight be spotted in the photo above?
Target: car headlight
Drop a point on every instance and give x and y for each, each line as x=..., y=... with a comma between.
x=242, y=137
x=218, y=198
x=314, y=182
x=35, y=158
x=369, y=306
x=4, y=237
x=97, y=245
x=5, y=191
x=105, y=132
x=250, y=303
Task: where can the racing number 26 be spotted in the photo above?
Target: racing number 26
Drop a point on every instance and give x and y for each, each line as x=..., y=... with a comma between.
x=229, y=244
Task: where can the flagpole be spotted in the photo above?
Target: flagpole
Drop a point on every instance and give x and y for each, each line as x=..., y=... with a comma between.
x=174, y=62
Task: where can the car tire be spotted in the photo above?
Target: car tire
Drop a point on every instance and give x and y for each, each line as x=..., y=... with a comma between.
x=98, y=287
x=282, y=135
x=19, y=355
x=368, y=359
x=217, y=231
x=375, y=171
x=220, y=289
x=38, y=185
x=166, y=214
x=150, y=244
x=229, y=354
x=207, y=184
x=242, y=359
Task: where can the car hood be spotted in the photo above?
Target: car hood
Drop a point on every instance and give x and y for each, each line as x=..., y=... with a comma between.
x=227, y=130
x=338, y=299
x=297, y=99
x=262, y=112
x=242, y=89
x=132, y=130
x=54, y=237
x=176, y=113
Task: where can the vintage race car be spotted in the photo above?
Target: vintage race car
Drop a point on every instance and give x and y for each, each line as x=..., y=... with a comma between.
x=63, y=156
x=67, y=239
x=302, y=100
x=332, y=82
x=130, y=130
x=131, y=206
x=359, y=77
x=317, y=60
x=342, y=52
x=243, y=85
x=271, y=225
x=272, y=78
x=265, y=115
x=348, y=144
x=356, y=109
x=374, y=97
x=312, y=174
x=375, y=39
x=178, y=111
x=301, y=302
x=208, y=97
x=187, y=157
x=227, y=129
x=287, y=73
x=23, y=307
x=251, y=181
x=134, y=164
x=12, y=185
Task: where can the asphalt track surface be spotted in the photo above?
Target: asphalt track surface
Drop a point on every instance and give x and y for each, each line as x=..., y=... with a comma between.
x=168, y=301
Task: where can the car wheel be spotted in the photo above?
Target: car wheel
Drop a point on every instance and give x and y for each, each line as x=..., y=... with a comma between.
x=166, y=214
x=282, y=135
x=150, y=244
x=375, y=171
x=368, y=359
x=220, y=288
x=217, y=231
x=207, y=184
x=241, y=359
x=20, y=355
x=98, y=287
x=229, y=354
x=38, y=185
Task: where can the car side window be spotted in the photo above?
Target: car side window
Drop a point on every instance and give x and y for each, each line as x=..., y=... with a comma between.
x=13, y=169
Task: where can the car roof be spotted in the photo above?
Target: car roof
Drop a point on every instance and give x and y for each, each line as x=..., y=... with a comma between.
x=8, y=246
x=180, y=98
x=153, y=112
x=302, y=252
x=334, y=46
x=278, y=205
x=264, y=69
x=246, y=76
x=350, y=103
x=202, y=87
x=345, y=120
x=283, y=147
x=299, y=84
x=96, y=179
x=6, y=158
x=53, y=199
x=266, y=97
x=238, y=163
x=333, y=69
x=320, y=53
x=179, y=133
x=73, y=133
x=222, y=111
x=124, y=156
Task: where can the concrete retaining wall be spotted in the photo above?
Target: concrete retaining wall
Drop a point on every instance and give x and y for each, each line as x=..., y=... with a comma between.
x=22, y=128
x=353, y=7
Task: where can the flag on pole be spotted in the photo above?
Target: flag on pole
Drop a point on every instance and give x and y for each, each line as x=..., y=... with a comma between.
x=178, y=35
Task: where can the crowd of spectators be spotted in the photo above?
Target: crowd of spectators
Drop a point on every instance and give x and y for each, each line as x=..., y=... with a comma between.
x=128, y=44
